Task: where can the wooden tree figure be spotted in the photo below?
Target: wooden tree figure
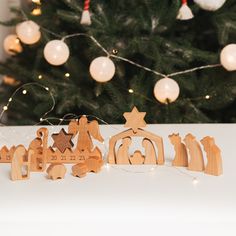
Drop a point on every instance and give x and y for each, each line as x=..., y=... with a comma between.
x=20, y=165
x=181, y=157
x=196, y=162
x=135, y=120
x=214, y=160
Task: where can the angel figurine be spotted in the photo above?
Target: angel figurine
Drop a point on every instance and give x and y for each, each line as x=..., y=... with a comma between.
x=86, y=130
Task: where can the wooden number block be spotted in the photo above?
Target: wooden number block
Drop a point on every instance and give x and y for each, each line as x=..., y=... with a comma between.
x=214, y=160
x=196, y=162
x=56, y=171
x=181, y=157
x=137, y=158
x=20, y=165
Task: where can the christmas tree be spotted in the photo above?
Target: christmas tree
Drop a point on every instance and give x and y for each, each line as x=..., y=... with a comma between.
x=145, y=32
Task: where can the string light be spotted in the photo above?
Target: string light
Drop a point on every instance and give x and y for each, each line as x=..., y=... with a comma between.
x=207, y=97
x=24, y=91
x=36, y=11
x=40, y=77
x=113, y=55
x=38, y=2
x=30, y=84
x=131, y=91
x=67, y=75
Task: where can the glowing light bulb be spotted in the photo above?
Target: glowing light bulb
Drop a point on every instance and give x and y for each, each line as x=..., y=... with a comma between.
x=5, y=108
x=24, y=91
x=131, y=91
x=67, y=75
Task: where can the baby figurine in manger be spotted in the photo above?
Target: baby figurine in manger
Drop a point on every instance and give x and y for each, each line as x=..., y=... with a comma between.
x=151, y=143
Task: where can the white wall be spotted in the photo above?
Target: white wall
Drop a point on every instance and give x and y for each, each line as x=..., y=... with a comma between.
x=5, y=15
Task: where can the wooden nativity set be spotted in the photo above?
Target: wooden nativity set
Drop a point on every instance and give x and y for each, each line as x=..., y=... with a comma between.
x=85, y=157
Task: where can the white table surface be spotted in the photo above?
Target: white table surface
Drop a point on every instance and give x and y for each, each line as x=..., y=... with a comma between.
x=118, y=201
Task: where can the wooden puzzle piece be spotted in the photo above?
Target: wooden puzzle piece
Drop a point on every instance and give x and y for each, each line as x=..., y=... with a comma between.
x=122, y=156
x=181, y=156
x=6, y=154
x=135, y=119
x=214, y=160
x=140, y=133
x=94, y=164
x=79, y=170
x=62, y=141
x=196, y=162
x=137, y=158
x=56, y=171
x=150, y=153
x=85, y=130
x=20, y=165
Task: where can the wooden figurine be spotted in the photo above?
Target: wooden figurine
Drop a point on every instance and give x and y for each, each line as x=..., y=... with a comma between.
x=137, y=158
x=135, y=120
x=214, y=160
x=56, y=171
x=92, y=164
x=181, y=157
x=79, y=170
x=6, y=154
x=196, y=162
x=150, y=154
x=85, y=130
x=20, y=165
x=39, y=147
x=62, y=141
x=123, y=152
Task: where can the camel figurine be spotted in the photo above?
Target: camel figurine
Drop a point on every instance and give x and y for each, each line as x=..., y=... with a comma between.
x=181, y=156
x=196, y=162
x=214, y=160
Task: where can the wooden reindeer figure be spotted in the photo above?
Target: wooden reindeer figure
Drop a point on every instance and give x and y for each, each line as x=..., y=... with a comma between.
x=20, y=165
x=214, y=160
x=196, y=162
x=181, y=157
x=123, y=152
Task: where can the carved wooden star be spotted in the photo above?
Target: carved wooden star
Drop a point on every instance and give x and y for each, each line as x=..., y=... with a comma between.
x=135, y=119
x=62, y=140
